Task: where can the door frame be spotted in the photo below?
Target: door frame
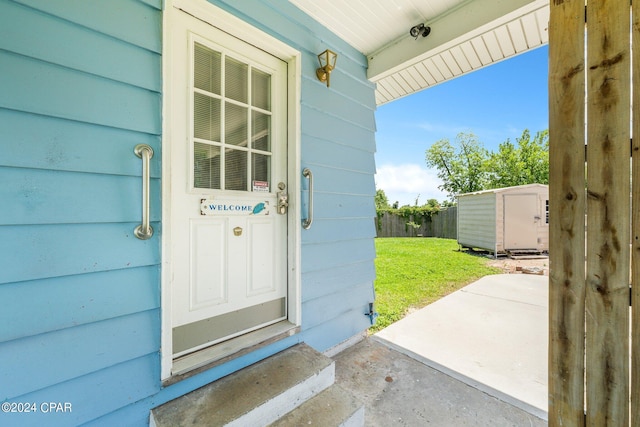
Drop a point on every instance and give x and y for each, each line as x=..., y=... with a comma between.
x=216, y=17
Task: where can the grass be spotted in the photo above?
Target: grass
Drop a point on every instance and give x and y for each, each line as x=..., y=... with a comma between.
x=414, y=272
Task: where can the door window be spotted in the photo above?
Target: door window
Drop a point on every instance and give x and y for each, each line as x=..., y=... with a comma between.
x=231, y=123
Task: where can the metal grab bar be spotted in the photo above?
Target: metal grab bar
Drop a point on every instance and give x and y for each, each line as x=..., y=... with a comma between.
x=144, y=231
x=306, y=224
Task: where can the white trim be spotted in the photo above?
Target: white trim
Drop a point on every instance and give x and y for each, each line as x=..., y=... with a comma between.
x=248, y=33
x=166, y=360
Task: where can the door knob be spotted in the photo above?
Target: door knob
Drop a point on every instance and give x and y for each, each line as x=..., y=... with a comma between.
x=237, y=231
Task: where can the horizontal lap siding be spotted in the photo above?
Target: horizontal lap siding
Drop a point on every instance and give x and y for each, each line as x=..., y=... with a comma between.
x=31, y=85
x=134, y=22
x=338, y=329
x=76, y=351
x=42, y=197
x=338, y=145
x=320, y=283
x=67, y=145
x=81, y=86
x=337, y=257
x=81, y=49
x=42, y=251
x=318, y=312
x=95, y=394
x=89, y=298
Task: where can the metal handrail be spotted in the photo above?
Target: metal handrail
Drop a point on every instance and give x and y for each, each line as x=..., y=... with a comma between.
x=144, y=231
x=306, y=224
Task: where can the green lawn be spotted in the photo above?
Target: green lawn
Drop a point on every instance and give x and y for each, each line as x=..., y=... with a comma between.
x=414, y=272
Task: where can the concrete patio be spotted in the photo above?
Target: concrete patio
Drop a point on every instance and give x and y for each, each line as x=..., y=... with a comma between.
x=477, y=357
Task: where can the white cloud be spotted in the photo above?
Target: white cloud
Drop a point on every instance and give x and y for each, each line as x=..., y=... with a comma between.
x=403, y=183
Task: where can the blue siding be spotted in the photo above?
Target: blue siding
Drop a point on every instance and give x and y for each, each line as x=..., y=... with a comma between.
x=348, y=109
x=77, y=47
x=326, y=230
x=94, y=395
x=321, y=284
x=134, y=22
x=43, y=195
x=332, y=128
x=32, y=85
x=318, y=313
x=338, y=329
x=80, y=86
x=339, y=155
x=37, y=252
x=66, y=145
x=75, y=352
x=336, y=254
x=88, y=298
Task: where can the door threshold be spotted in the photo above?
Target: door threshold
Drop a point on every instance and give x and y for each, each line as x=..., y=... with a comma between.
x=192, y=364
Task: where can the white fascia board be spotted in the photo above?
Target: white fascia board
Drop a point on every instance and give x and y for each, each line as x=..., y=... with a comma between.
x=463, y=23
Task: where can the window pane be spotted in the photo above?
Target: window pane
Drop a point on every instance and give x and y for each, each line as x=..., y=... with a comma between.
x=261, y=131
x=207, y=71
x=236, y=126
x=260, y=89
x=206, y=166
x=235, y=170
x=236, y=80
x=206, y=117
x=261, y=168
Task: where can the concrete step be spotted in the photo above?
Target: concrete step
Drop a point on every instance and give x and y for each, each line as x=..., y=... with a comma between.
x=255, y=396
x=334, y=407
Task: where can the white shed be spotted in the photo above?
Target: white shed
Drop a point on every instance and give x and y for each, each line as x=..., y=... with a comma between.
x=512, y=219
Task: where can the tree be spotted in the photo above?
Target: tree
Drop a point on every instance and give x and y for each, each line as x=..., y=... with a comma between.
x=462, y=166
x=433, y=203
x=528, y=163
x=381, y=200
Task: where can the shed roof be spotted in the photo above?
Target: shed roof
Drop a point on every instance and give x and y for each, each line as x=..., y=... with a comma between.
x=506, y=189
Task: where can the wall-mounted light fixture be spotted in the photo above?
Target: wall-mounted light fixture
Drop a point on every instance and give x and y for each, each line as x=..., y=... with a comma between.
x=419, y=30
x=327, y=60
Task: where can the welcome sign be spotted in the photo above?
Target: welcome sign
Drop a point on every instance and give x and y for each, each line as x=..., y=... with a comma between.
x=218, y=207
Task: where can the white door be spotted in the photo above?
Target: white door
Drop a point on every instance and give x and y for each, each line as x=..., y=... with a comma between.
x=520, y=221
x=228, y=144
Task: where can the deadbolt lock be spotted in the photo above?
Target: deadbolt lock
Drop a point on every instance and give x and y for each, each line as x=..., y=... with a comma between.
x=283, y=199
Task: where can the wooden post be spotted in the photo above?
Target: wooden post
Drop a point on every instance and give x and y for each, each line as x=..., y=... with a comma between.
x=635, y=217
x=601, y=293
x=566, y=213
x=608, y=195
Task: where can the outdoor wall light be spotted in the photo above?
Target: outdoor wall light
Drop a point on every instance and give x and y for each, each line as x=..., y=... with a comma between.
x=327, y=60
x=419, y=30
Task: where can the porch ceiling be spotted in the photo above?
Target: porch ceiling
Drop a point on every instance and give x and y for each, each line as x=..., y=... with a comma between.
x=465, y=35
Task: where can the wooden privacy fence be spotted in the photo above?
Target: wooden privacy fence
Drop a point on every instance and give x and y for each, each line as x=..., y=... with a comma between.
x=442, y=224
x=592, y=379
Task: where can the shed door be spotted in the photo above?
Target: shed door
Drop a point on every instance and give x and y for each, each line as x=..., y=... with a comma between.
x=521, y=218
x=228, y=162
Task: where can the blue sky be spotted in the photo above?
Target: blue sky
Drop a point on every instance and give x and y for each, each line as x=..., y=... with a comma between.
x=495, y=103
